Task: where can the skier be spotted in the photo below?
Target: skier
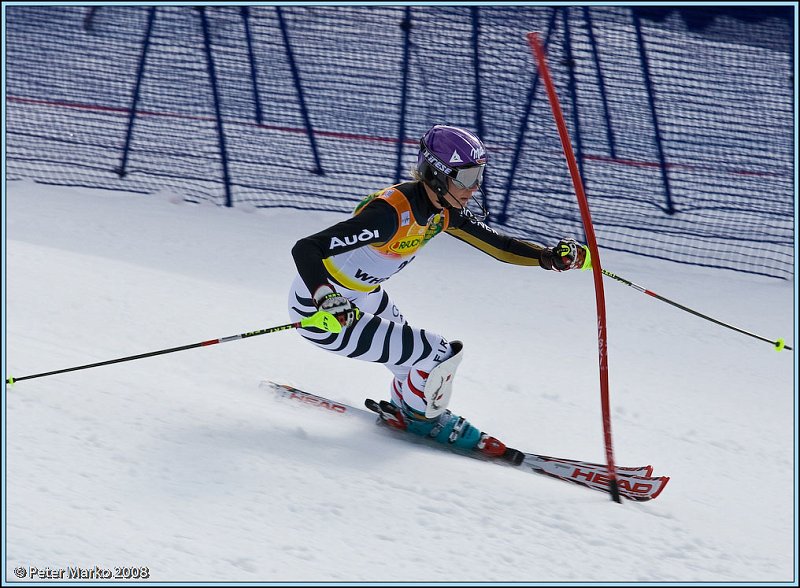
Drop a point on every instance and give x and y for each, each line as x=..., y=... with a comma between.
x=342, y=268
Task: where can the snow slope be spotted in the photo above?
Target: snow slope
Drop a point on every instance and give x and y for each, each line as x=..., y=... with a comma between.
x=179, y=463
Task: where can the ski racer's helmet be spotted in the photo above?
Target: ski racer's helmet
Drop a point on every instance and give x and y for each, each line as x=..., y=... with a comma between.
x=446, y=151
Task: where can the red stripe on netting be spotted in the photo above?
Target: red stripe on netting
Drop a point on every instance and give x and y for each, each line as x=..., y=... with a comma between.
x=126, y=112
x=360, y=137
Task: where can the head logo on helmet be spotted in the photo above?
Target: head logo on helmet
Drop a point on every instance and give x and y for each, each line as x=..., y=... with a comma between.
x=453, y=152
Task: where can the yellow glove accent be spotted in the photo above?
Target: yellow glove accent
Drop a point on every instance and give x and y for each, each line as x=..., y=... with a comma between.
x=587, y=262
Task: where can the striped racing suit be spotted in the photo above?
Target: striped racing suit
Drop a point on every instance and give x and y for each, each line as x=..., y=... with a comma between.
x=356, y=256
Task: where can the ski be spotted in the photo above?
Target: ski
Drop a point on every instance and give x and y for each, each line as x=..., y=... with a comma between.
x=634, y=483
x=308, y=399
x=646, y=470
x=636, y=487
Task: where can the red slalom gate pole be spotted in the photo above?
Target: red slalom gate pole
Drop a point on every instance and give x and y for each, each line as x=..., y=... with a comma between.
x=538, y=53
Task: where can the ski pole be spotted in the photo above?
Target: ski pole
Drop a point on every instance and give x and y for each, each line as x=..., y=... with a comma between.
x=320, y=319
x=779, y=344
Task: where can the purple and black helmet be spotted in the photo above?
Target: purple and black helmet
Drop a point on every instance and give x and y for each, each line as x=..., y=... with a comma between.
x=446, y=151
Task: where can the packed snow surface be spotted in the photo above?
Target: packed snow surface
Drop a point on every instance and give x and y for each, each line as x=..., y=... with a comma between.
x=180, y=464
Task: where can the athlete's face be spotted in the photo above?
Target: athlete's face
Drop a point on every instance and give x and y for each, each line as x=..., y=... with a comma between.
x=458, y=196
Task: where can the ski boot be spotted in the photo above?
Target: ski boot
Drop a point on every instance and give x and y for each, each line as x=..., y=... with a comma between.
x=447, y=428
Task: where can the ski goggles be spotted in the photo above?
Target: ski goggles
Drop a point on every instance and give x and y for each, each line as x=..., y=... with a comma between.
x=468, y=177
x=464, y=177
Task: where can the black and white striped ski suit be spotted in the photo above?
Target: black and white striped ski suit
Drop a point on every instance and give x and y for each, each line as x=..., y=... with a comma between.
x=381, y=335
x=356, y=256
